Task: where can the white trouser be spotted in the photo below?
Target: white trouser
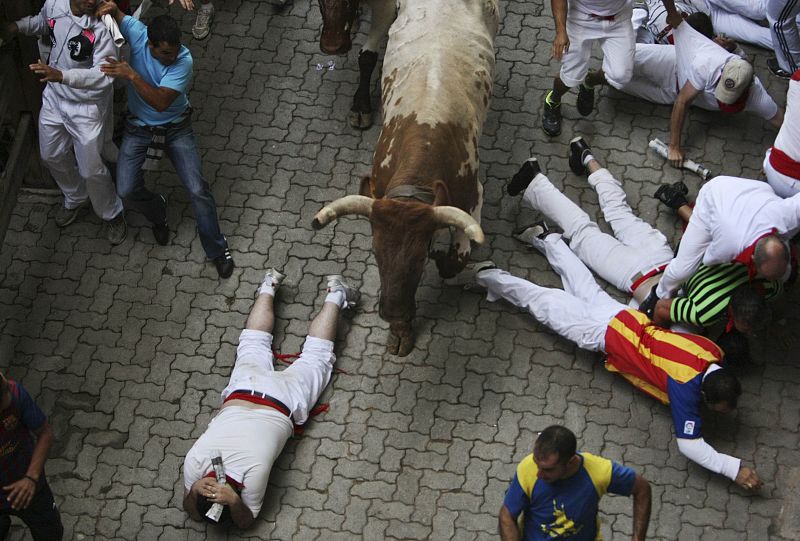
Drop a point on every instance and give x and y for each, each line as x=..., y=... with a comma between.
x=637, y=248
x=740, y=28
x=655, y=76
x=71, y=132
x=784, y=185
x=580, y=312
x=298, y=386
x=616, y=38
x=752, y=9
x=782, y=15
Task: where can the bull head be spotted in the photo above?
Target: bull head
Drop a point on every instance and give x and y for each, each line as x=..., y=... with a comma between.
x=338, y=22
x=401, y=235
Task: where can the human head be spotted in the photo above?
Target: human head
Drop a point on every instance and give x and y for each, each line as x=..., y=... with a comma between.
x=202, y=505
x=702, y=23
x=734, y=85
x=83, y=7
x=721, y=390
x=164, y=39
x=749, y=310
x=736, y=348
x=771, y=258
x=554, y=453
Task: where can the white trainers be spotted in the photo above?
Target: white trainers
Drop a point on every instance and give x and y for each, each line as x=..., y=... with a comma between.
x=202, y=25
x=468, y=278
x=336, y=283
x=273, y=277
x=527, y=234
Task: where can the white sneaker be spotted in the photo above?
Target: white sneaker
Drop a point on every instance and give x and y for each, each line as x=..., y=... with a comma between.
x=336, y=283
x=273, y=277
x=202, y=25
x=529, y=233
x=468, y=278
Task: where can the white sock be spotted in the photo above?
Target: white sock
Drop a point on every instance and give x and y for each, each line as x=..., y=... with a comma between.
x=337, y=297
x=267, y=288
x=587, y=159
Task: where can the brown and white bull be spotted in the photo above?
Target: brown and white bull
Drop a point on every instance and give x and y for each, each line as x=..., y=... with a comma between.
x=339, y=21
x=437, y=82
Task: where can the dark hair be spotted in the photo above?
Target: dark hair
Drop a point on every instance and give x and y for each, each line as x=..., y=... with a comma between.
x=203, y=505
x=702, y=23
x=749, y=306
x=722, y=386
x=736, y=348
x=164, y=29
x=557, y=440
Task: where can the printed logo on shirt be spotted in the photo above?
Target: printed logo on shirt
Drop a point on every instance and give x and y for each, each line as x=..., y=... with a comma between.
x=82, y=45
x=562, y=525
x=688, y=428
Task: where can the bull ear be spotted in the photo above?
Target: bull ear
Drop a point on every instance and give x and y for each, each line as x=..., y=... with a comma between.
x=367, y=187
x=441, y=197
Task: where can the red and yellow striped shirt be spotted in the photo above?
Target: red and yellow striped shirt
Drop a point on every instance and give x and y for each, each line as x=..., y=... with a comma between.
x=648, y=355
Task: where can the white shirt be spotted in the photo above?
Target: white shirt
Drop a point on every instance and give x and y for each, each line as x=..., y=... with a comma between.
x=603, y=8
x=249, y=441
x=731, y=213
x=788, y=139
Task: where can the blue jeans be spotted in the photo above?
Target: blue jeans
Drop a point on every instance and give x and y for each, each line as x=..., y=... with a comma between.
x=181, y=147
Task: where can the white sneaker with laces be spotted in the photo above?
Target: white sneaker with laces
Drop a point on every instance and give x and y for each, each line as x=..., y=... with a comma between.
x=336, y=283
x=202, y=25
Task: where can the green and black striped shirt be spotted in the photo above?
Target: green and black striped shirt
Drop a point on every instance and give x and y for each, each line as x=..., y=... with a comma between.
x=709, y=290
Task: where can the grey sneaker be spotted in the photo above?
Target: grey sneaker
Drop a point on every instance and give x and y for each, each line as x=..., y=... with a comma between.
x=65, y=216
x=526, y=234
x=336, y=283
x=202, y=25
x=116, y=229
x=468, y=278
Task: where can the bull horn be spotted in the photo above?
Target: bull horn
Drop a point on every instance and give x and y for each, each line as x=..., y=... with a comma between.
x=458, y=218
x=349, y=204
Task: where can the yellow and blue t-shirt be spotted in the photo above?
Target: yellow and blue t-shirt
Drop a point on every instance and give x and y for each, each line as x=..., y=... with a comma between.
x=565, y=509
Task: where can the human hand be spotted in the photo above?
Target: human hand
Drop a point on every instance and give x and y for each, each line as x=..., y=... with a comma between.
x=20, y=493
x=560, y=45
x=118, y=68
x=108, y=7
x=675, y=156
x=748, y=479
x=674, y=18
x=187, y=4
x=48, y=74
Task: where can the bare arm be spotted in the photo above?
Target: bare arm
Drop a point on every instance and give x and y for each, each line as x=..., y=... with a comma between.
x=21, y=492
x=685, y=98
x=662, y=316
x=561, y=42
x=642, y=504
x=777, y=120
x=159, y=98
x=509, y=531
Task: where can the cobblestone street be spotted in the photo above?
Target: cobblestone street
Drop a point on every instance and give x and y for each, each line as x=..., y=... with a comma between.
x=126, y=348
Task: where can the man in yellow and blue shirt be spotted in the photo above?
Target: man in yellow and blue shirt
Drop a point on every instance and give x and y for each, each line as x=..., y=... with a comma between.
x=556, y=492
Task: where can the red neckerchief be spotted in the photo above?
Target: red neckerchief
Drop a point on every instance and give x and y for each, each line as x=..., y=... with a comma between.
x=746, y=257
x=228, y=479
x=737, y=106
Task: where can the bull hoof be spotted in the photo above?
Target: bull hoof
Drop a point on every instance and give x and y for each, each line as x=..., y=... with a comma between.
x=361, y=121
x=399, y=345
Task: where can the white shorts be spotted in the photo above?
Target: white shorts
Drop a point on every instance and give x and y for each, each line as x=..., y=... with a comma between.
x=617, y=39
x=298, y=386
x=784, y=185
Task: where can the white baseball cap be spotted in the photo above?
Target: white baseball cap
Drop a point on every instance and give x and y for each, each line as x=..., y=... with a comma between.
x=737, y=75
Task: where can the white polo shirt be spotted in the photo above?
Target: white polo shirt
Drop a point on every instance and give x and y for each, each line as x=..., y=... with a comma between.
x=604, y=8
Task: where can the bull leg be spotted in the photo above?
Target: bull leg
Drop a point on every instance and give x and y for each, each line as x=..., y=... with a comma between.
x=383, y=14
x=400, y=341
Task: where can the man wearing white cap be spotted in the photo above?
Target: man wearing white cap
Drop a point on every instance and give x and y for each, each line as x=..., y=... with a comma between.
x=712, y=78
x=782, y=164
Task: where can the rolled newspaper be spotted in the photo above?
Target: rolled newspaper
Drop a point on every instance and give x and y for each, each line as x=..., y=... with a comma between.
x=111, y=24
x=215, y=511
x=663, y=150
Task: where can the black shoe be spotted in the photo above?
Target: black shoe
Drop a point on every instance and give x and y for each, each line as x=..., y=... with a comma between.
x=524, y=176
x=161, y=233
x=551, y=119
x=776, y=69
x=224, y=264
x=673, y=195
x=585, y=101
x=578, y=150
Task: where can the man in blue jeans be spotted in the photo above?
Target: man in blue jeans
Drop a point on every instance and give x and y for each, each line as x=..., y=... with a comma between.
x=159, y=72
